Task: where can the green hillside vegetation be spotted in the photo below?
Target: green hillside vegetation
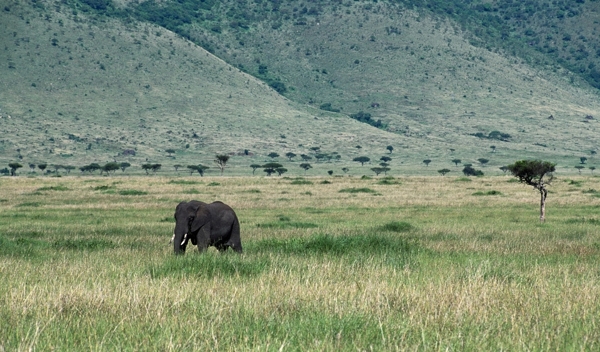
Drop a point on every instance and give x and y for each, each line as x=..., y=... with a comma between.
x=175, y=83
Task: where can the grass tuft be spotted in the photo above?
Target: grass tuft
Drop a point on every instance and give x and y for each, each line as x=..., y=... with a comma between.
x=397, y=226
x=357, y=190
x=462, y=179
x=184, y=182
x=53, y=188
x=487, y=193
x=132, y=192
x=301, y=181
x=209, y=265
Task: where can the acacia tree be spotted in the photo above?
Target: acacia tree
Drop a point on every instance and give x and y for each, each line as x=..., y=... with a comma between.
x=532, y=172
x=456, y=161
x=221, y=161
x=362, y=160
x=305, y=166
x=443, y=172
x=124, y=165
x=390, y=148
x=254, y=167
x=290, y=155
x=14, y=167
x=272, y=167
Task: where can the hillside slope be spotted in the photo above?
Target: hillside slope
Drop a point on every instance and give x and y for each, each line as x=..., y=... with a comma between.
x=84, y=87
x=81, y=90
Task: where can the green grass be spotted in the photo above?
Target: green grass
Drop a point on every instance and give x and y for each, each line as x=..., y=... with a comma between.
x=132, y=192
x=394, y=272
x=357, y=190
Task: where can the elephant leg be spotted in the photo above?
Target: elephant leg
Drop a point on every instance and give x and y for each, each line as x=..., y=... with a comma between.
x=203, y=238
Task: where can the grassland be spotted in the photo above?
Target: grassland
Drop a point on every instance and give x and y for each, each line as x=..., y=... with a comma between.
x=343, y=263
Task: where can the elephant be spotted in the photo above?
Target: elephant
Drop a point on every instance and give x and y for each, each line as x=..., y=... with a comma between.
x=214, y=224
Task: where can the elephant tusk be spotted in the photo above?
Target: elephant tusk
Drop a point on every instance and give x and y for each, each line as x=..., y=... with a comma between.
x=172, y=239
x=185, y=238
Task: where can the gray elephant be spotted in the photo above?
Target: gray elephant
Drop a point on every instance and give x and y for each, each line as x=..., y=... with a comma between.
x=213, y=224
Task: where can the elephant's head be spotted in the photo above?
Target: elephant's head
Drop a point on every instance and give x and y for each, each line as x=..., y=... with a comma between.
x=185, y=215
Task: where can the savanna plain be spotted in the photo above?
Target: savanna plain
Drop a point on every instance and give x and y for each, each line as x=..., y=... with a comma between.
x=336, y=263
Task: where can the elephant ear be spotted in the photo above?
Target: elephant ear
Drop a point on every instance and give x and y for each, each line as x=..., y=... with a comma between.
x=201, y=218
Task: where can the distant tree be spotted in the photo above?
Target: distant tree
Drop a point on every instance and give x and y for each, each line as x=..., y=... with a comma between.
x=503, y=168
x=345, y=169
x=579, y=167
x=305, y=157
x=315, y=149
x=390, y=148
x=273, y=155
x=156, y=167
x=170, y=151
x=176, y=167
x=110, y=167
x=456, y=161
x=56, y=167
x=470, y=171
x=269, y=168
x=362, y=160
x=14, y=167
x=330, y=172
x=124, y=165
x=377, y=170
x=443, y=172
x=201, y=169
x=254, y=167
x=483, y=161
x=42, y=166
x=321, y=156
x=147, y=168
x=305, y=166
x=221, y=161
x=385, y=159
x=532, y=172
x=281, y=170
x=493, y=147
x=93, y=167
x=68, y=168
x=426, y=162
x=384, y=164
x=290, y=155
x=593, y=152
x=592, y=168
x=582, y=160
x=32, y=167
x=192, y=168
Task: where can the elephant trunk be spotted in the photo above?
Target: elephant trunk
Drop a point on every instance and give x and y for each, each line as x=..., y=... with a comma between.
x=180, y=242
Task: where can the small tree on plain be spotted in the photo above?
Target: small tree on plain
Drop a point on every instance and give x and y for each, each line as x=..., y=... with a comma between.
x=155, y=167
x=582, y=160
x=493, y=147
x=385, y=159
x=110, y=167
x=579, y=167
x=32, y=167
x=483, y=161
x=390, y=148
x=592, y=168
x=362, y=160
x=305, y=157
x=305, y=166
x=345, y=169
x=221, y=161
x=124, y=165
x=426, y=162
x=270, y=168
x=147, y=168
x=281, y=170
x=170, y=151
x=68, y=168
x=290, y=155
x=456, y=161
x=273, y=155
x=532, y=172
x=176, y=167
x=443, y=172
x=254, y=167
x=330, y=172
x=14, y=167
x=503, y=168
x=42, y=166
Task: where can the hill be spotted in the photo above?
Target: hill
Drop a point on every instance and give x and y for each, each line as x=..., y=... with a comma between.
x=86, y=81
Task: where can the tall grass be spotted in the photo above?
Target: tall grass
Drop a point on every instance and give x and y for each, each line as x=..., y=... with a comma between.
x=389, y=270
